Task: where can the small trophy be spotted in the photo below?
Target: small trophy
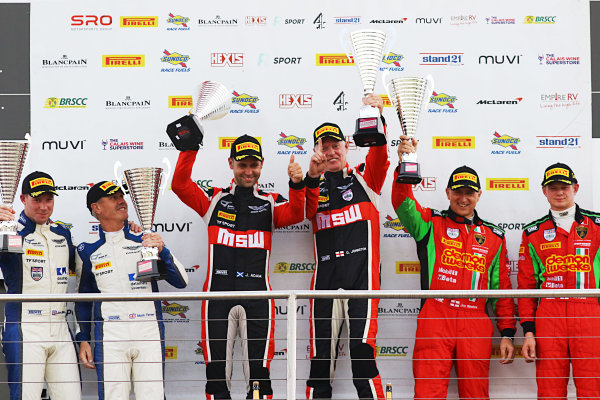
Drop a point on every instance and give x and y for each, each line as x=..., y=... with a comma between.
x=367, y=50
x=12, y=159
x=212, y=101
x=143, y=185
x=410, y=96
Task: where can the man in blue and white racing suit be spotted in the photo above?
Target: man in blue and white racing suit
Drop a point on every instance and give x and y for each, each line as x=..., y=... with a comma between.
x=128, y=336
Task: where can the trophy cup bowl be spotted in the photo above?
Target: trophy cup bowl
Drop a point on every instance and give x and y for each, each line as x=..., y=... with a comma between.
x=212, y=101
x=143, y=186
x=409, y=96
x=367, y=50
x=12, y=159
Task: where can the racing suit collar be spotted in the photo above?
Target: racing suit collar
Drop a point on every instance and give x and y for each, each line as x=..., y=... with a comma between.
x=28, y=224
x=242, y=191
x=462, y=220
x=125, y=230
x=344, y=172
x=578, y=215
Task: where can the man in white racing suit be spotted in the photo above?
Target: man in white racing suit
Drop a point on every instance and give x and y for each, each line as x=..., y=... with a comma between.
x=128, y=336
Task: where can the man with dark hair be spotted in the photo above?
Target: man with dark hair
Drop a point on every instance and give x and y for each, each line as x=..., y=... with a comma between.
x=457, y=251
x=560, y=251
x=36, y=339
x=343, y=205
x=240, y=220
x=128, y=336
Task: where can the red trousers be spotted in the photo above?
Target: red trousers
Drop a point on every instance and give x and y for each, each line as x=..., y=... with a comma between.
x=448, y=335
x=568, y=331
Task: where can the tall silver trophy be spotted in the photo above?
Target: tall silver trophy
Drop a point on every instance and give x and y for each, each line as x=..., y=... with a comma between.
x=367, y=46
x=211, y=101
x=410, y=96
x=12, y=159
x=143, y=185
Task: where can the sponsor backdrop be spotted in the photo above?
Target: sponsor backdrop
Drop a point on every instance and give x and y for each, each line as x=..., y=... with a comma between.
x=512, y=95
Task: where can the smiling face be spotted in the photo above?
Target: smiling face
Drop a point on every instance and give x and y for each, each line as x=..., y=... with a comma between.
x=38, y=209
x=111, y=208
x=245, y=171
x=463, y=201
x=335, y=152
x=561, y=196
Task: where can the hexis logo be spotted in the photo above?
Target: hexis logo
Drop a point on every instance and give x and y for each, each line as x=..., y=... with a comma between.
x=295, y=100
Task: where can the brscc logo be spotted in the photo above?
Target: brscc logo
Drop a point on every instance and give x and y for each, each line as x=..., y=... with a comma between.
x=392, y=351
x=284, y=268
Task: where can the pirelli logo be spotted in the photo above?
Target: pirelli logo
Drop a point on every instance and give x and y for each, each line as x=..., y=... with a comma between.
x=522, y=250
x=452, y=243
x=408, y=267
x=454, y=142
x=326, y=128
x=225, y=143
x=247, y=146
x=171, y=352
x=181, y=102
x=386, y=100
x=41, y=181
x=551, y=245
x=101, y=265
x=323, y=199
x=37, y=253
x=337, y=59
x=106, y=185
x=227, y=216
x=126, y=61
x=507, y=183
x=139, y=22
x=557, y=171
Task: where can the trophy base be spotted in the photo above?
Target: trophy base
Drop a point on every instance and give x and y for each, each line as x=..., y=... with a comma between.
x=409, y=173
x=11, y=243
x=150, y=270
x=369, y=132
x=186, y=133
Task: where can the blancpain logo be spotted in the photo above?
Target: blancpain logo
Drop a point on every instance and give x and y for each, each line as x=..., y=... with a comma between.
x=65, y=62
x=127, y=104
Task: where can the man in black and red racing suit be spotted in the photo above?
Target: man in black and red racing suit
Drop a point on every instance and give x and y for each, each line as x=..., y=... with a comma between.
x=240, y=222
x=457, y=251
x=342, y=204
x=560, y=251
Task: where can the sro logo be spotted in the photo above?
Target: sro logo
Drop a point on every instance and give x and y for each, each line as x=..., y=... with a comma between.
x=79, y=20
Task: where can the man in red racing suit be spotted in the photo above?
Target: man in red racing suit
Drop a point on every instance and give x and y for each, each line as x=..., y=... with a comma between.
x=240, y=222
x=560, y=251
x=457, y=251
x=343, y=206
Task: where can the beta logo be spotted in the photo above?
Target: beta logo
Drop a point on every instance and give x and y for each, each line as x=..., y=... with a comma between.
x=437, y=59
x=334, y=59
x=453, y=142
x=181, y=102
x=175, y=59
x=244, y=100
x=392, y=62
x=507, y=183
x=139, y=22
x=443, y=100
x=174, y=309
x=133, y=60
x=396, y=225
x=288, y=101
x=509, y=144
x=179, y=21
x=171, y=352
x=91, y=22
x=408, y=267
x=293, y=142
x=294, y=268
x=558, y=142
x=226, y=59
x=66, y=102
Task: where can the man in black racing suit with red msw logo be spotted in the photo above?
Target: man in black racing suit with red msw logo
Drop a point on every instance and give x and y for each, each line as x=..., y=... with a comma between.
x=240, y=222
x=342, y=204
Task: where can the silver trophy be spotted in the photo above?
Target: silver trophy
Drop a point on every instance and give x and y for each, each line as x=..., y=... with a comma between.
x=143, y=185
x=12, y=159
x=212, y=101
x=410, y=97
x=367, y=51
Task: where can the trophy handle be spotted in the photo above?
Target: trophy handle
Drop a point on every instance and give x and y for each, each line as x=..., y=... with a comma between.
x=165, y=175
x=344, y=39
x=429, y=90
x=390, y=39
x=384, y=78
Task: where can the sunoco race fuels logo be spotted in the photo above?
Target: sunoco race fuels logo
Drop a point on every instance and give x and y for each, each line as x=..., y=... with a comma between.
x=179, y=22
x=291, y=142
x=443, y=100
x=175, y=59
x=396, y=225
x=244, y=100
x=509, y=143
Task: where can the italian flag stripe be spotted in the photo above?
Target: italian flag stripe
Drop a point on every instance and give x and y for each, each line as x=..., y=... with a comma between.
x=581, y=275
